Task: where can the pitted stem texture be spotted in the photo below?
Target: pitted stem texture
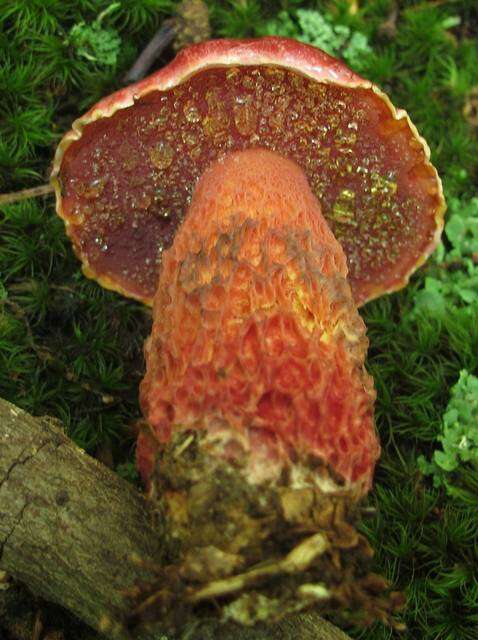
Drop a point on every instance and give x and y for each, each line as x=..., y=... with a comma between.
x=256, y=337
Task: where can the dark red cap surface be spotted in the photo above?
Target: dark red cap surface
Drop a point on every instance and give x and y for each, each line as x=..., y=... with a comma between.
x=125, y=173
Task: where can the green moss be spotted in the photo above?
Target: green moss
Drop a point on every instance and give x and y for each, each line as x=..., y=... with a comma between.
x=72, y=350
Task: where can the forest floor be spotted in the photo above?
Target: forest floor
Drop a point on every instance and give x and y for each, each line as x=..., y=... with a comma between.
x=74, y=351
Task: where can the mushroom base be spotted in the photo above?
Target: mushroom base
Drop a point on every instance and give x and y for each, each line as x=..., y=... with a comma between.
x=253, y=552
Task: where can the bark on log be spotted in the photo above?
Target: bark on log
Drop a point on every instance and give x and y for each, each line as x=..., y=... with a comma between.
x=69, y=527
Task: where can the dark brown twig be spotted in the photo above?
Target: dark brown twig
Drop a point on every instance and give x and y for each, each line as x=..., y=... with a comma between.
x=153, y=50
x=388, y=28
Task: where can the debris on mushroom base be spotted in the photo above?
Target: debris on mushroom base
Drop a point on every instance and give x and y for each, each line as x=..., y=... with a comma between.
x=261, y=439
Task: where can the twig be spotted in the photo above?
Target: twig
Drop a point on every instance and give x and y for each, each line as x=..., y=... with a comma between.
x=24, y=194
x=428, y=4
x=389, y=27
x=38, y=627
x=155, y=47
x=189, y=25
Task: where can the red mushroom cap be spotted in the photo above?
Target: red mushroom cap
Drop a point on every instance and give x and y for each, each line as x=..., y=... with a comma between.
x=125, y=172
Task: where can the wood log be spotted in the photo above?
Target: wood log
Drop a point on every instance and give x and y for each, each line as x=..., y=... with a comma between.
x=69, y=528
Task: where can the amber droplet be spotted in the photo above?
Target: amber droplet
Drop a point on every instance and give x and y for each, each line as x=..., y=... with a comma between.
x=127, y=154
x=245, y=118
x=344, y=208
x=248, y=82
x=143, y=201
x=190, y=139
x=217, y=119
x=161, y=155
x=191, y=112
x=161, y=119
x=382, y=185
x=94, y=189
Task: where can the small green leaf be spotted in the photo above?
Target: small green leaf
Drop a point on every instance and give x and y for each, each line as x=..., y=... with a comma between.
x=460, y=433
x=446, y=461
x=450, y=22
x=357, y=50
x=455, y=284
x=431, y=299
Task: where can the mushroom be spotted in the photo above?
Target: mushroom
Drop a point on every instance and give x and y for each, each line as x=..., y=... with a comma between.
x=302, y=193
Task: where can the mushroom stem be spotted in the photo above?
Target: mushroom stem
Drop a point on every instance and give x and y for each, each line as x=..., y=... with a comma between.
x=261, y=439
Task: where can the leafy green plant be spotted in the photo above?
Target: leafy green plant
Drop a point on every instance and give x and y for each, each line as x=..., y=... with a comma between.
x=95, y=42
x=459, y=438
x=462, y=229
x=313, y=27
x=455, y=278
